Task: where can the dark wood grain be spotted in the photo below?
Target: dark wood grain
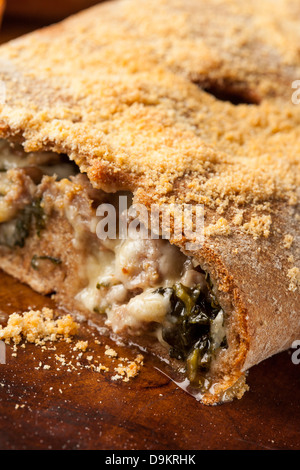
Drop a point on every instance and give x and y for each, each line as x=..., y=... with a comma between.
x=48, y=10
x=149, y=412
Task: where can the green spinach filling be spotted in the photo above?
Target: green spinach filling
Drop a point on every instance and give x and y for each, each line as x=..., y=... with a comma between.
x=35, y=261
x=15, y=232
x=187, y=329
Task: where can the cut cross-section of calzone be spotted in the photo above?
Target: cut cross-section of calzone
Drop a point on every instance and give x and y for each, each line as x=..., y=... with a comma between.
x=165, y=104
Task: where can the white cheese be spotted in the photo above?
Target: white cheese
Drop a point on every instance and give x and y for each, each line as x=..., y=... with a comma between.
x=144, y=308
x=131, y=265
x=149, y=307
x=218, y=331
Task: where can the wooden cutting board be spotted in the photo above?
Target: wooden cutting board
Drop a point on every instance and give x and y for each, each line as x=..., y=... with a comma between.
x=61, y=408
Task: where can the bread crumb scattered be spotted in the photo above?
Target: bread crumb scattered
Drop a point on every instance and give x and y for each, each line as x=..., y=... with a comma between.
x=129, y=371
x=81, y=346
x=36, y=326
x=110, y=352
x=40, y=326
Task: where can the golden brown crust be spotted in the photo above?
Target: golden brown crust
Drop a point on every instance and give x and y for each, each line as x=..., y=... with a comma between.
x=114, y=88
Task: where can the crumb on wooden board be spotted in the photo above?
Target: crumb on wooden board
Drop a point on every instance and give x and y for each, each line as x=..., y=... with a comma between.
x=44, y=328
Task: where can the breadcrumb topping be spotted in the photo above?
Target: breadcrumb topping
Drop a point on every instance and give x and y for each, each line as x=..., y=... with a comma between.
x=126, y=107
x=221, y=227
x=288, y=241
x=259, y=226
x=294, y=276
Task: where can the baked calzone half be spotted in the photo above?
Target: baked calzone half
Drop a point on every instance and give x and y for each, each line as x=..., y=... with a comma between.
x=134, y=105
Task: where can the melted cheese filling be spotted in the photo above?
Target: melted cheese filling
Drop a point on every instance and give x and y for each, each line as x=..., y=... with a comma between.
x=13, y=156
x=122, y=280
